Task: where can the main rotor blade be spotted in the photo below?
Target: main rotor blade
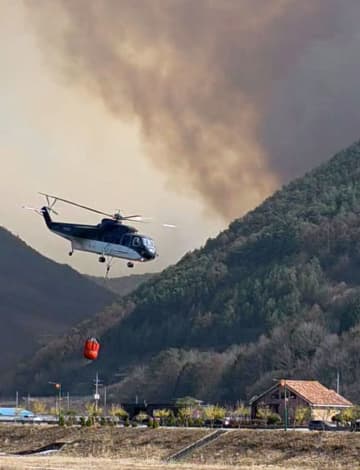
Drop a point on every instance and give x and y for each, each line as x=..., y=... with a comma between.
x=135, y=218
x=146, y=220
x=137, y=221
x=139, y=217
x=78, y=205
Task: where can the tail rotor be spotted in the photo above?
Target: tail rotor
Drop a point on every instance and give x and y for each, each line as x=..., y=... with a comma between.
x=40, y=211
x=34, y=209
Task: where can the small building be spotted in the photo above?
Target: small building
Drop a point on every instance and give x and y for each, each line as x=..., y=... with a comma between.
x=134, y=409
x=292, y=394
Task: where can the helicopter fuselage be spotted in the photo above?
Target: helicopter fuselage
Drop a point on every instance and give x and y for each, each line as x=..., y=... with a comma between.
x=108, y=238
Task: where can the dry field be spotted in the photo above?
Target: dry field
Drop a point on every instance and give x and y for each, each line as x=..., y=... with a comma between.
x=125, y=443
x=285, y=450
x=81, y=463
x=77, y=463
x=144, y=449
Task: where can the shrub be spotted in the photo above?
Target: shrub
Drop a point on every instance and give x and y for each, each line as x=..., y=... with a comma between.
x=345, y=416
x=172, y=420
x=274, y=418
x=162, y=415
x=302, y=414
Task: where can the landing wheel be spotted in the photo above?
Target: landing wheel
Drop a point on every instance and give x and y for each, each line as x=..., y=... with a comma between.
x=130, y=264
x=71, y=253
x=102, y=259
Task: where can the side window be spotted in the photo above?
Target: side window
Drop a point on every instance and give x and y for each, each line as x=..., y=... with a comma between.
x=136, y=242
x=126, y=240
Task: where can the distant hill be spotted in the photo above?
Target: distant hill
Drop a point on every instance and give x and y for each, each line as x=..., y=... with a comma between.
x=39, y=299
x=122, y=285
x=275, y=295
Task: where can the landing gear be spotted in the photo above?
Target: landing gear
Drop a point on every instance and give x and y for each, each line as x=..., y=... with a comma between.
x=108, y=260
x=108, y=266
x=130, y=264
x=71, y=253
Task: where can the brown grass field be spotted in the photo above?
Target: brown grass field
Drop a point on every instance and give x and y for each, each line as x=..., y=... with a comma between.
x=81, y=463
x=144, y=449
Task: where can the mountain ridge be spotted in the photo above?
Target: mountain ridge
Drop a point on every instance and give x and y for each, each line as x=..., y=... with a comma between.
x=275, y=294
x=39, y=298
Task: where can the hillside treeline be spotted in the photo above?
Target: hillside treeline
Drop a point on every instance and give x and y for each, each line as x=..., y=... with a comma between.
x=275, y=295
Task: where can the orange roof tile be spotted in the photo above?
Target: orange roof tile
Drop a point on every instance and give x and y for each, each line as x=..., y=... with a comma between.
x=316, y=394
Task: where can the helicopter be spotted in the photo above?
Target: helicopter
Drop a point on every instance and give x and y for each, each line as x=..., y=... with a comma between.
x=111, y=238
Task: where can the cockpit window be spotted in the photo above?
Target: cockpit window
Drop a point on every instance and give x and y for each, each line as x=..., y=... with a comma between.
x=136, y=241
x=149, y=244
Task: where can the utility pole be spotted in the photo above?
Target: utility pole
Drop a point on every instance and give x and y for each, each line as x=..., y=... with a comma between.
x=57, y=386
x=283, y=384
x=96, y=395
x=105, y=403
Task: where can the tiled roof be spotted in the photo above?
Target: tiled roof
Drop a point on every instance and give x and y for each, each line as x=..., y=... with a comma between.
x=316, y=394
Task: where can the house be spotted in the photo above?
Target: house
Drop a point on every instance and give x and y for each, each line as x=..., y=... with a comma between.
x=286, y=396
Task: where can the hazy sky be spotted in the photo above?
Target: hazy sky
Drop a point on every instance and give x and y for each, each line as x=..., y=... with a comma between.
x=188, y=111
x=59, y=140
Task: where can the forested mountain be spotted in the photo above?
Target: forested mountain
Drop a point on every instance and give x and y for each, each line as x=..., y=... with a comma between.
x=39, y=299
x=277, y=294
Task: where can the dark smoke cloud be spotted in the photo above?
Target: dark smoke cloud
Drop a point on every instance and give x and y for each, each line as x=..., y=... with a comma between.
x=232, y=96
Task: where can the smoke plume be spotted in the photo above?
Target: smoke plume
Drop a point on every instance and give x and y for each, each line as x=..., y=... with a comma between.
x=233, y=97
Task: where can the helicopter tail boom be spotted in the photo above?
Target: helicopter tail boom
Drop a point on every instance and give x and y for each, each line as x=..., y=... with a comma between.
x=45, y=213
